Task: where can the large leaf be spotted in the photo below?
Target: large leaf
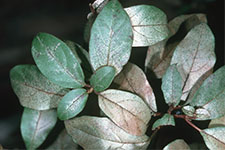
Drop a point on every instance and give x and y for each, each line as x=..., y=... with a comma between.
x=33, y=89
x=63, y=142
x=72, y=104
x=177, y=145
x=217, y=122
x=172, y=86
x=36, y=125
x=166, y=120
x=149, y=24
x=214, y=138
x=195, y=53
x=102, y=78
x=111, y=37
x=133, y=79
x=56, y=61
x=127, y=110
x=101, y=133
x=211, y=94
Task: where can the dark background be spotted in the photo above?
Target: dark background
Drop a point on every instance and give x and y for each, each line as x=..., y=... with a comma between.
x=21, y=20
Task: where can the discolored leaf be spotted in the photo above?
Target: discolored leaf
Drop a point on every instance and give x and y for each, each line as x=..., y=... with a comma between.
x=195, y=53
x=63, y=142
x=127, y=110
x=72, y=104
x=217, y=122
x=172, y=86
x=214, y=138
x=102, y=78
x=101, y=133
x=166, y=120
x=56, y=61
x=111, y=37
x=33, y=89
x=149, y=24
x=133, y=79
x=36, y=125
x=177, y=145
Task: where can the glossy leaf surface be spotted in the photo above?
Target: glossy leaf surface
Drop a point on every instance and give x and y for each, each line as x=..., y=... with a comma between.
x=102, y=78
x=133, y=79
x=177, y=145
x=72, y=104
x=111, y=37
x=101, y=133
x=166, y=120
x=127, y=110
x=33, y=89
x=36, y=125
x=56, y=61
x=149, y=24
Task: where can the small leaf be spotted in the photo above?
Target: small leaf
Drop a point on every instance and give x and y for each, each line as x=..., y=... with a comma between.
x=211, y=94
x=217, y=122
x=63, y=142
x=33, y=89
x=166, y=120
x=36, y=125
x=102, y=134
x=56, y=61
x=177, y=145
x=127, y=110
x=72, y=104
x=111, y=37
x=214, y=138
x=149, y=24
x=189, y=110
x=172, y=86
x=195, y=53
x=133, y=79
x=102, y=78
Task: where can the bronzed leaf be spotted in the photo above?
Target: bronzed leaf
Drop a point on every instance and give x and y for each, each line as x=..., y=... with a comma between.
x=133, y=79
x=111, y=37
x=33, y=89
x=56, y=61
x=217, y=122
x=166, y=120
x=177, y=145
x=36, y=125
x=127, y=110
x=102, y=134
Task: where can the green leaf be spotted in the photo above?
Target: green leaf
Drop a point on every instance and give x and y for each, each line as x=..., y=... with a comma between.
x=72, y=104
x=102, y=134
x=211, y=94
x=33, y=89
x=102, y=78
x=177, y=145
x=166, y=120
x=195, y=53
x=111, y=37
x=172, y=86
x=56, y=61
x=127, y=110
x=197, y=114
x=214, y=138
x=149, y=24
x=36, y=125
x=133, y=79
x=217, y=122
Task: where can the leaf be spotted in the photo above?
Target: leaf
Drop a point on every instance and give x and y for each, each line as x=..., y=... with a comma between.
x=197, y=114
x=211, y=95
x=33, y=89
x=63, y=142
x=176, y=145
x=195, y=53
x=56, y=61
x=166, y=120
x=102, y=78
x=217, y=122
x=214, y=138
x=72, y=104
x=149, y=24
x=133, y=79
x=127, y=110
x=111, y=37
x=172, y=86
x=36, y=125
x=101, y=133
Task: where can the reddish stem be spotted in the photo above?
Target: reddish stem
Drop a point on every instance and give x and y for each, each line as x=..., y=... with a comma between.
x=194, y=126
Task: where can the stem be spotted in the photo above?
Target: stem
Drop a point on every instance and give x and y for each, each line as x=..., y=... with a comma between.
x=194, y=126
